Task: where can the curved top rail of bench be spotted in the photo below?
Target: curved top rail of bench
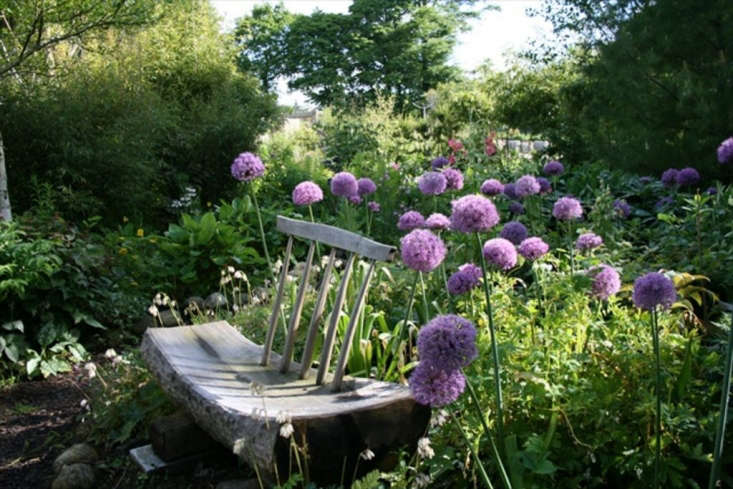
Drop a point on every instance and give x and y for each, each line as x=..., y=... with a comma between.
x=336, y=237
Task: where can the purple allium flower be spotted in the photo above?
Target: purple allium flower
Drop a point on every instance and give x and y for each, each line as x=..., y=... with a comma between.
x=510, y=191
x=410, y=220
x=422, y=250
x=653, y=289
x=669, y=177
x=567, y=208
x=725, y=151
x=354, y=199
x=437, y=221
x=439, y=162
x=527, y=185
x=545, y=186
x=514, y=231
x=663, y=202
x=435, y=387
x=247, y=167
x=447, y=342
x=645, y=180
x=687, y=177
x=343, y=184
x=588, y=241
x=553, y=168
x=516, y=208
x=711, y=190
x=606, y=281
x=366, y=186
x=453, y=178
x=307, y=193
x=501, y=253
x=432, y=183
x=533, y=248
x=466, y=278
x=492, y=186
x=473, y=214
x=622, y=208
x=374, y=206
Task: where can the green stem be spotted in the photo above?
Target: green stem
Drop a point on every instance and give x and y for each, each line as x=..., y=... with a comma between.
x=658, y=392
x=445, y=282
x=262, y=235
x=482, y=471
x=723, y=416
x=424, y=298
x=571, y=247
x=318, y=248
x=494, y=349
x=401, y=326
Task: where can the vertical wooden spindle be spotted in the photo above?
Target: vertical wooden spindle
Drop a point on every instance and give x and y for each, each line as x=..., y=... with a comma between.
x=316, y=317
x=297, y=310
x=276, y=305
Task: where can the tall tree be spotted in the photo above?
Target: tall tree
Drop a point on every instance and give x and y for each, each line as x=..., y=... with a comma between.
x=30, y=29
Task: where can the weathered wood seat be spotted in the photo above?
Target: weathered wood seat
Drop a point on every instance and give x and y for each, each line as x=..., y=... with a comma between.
x=236, y=390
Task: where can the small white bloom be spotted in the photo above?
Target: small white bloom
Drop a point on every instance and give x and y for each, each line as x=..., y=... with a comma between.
x=153, y=311
x=173, y=304
x=235, y=308
x=110, y=354
x=424, y=448
x=91, y=369
x=166, y=300
x=225, y=280
x=223, y=272
x=84, y=404
x=366, y=454
x=282, y=417
x=158, y=300
x=286, y=430
x=230, y=270
x=422, y=480
x=239, y=275
x=439, y=418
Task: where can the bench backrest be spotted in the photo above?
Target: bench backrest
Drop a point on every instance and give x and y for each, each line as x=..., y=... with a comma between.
x=337, y=239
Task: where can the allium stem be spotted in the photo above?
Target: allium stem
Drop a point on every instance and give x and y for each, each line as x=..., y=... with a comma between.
x=445, y=283
x=494, y=349
x=424, y=297
x=262, y=235
x=318, y=248
x=410, y=301
x=723, y=416
x=482, y=471
x=571, y=247
x=658, y=392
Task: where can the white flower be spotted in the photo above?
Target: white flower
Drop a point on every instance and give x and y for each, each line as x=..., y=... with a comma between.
x=230, y=270
x=439, y=418
x=85, y=404
x=286, y=430
x=239, y=275
x=235, y=308
x=223, y=272
x=282, y=417
x=110, y=354
x=158, y=300
x=225, y=280
x=153, y=311
x=424, y=448
x=422, y=480
x=366, y=454
x=166, y=299
x=91, y=369
x=173, y=304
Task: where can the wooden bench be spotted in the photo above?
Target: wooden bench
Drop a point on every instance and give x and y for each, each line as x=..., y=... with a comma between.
x=236, y=389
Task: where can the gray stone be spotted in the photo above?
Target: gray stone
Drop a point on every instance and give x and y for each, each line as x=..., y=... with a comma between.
x=148, y=321
x=75, y=476
x=215, y=300
x=513, y=144
x=239, y=484
x=81, y=453
x=194, y=305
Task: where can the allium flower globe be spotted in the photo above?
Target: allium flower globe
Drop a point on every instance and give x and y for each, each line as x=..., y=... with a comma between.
x=711, y=191
x=606, y=281
x=725, y=151
x=492, y=186
x=453, y=178
x=500, y=253
x=307, y=193
x=553, y=168
x=622, y=208
x=669, y=177
x=527, y=185
x=432, y=183
x=354, y=199
x=687, y=177
x=466, y=278
x=545, y=186
x=343, y=184
x=447, y=342
x=422, y=250
x=439, y=162
x=374, y=206
x=437, y=221
x=533, y=248
x=410, y=220
x=567, y=208
x=510, y=191
x=473, y=214
x=514, y=231
x=246, y=167
x=588, y=241
x=516, y=208
x=366, y=186
x=435, y=387
x=652, y=290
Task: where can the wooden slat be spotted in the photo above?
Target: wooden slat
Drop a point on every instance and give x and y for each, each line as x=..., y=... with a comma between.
x=316, y=317
x=332, y=326
x=351, y=329
x=297, y=310
x=277, y=304
x=335, y=237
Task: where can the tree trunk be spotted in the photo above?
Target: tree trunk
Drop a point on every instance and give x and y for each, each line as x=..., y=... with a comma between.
x=5, y=212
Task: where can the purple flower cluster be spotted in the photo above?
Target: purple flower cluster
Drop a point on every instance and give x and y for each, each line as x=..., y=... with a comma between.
x=553, y=168
x=422, y=250
x=527, y=185
x=439, y=162
x=432, y=183
x=652, y=290
x=437, y=221
x=687, y=177
x=669, y=177
x=434, y=387
x=307, y=193
x=354, y=199
x=247, y=167
x=410, y=220
x=533, y=248
x=448, y=342
x=606, y=281
x=473, y=214
x=366, y=186
x=545, y=186
x=343, y=184
x=466, y=278
x=510, y=191
x=514, y=231
x=516, y=208
x=492, y=186
x=374, y=206
x=725, y=151
x=567, y=208
x=622, y=208
x=500, y=253
x=588, y=241
x=711, y=190
x=453, y=178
